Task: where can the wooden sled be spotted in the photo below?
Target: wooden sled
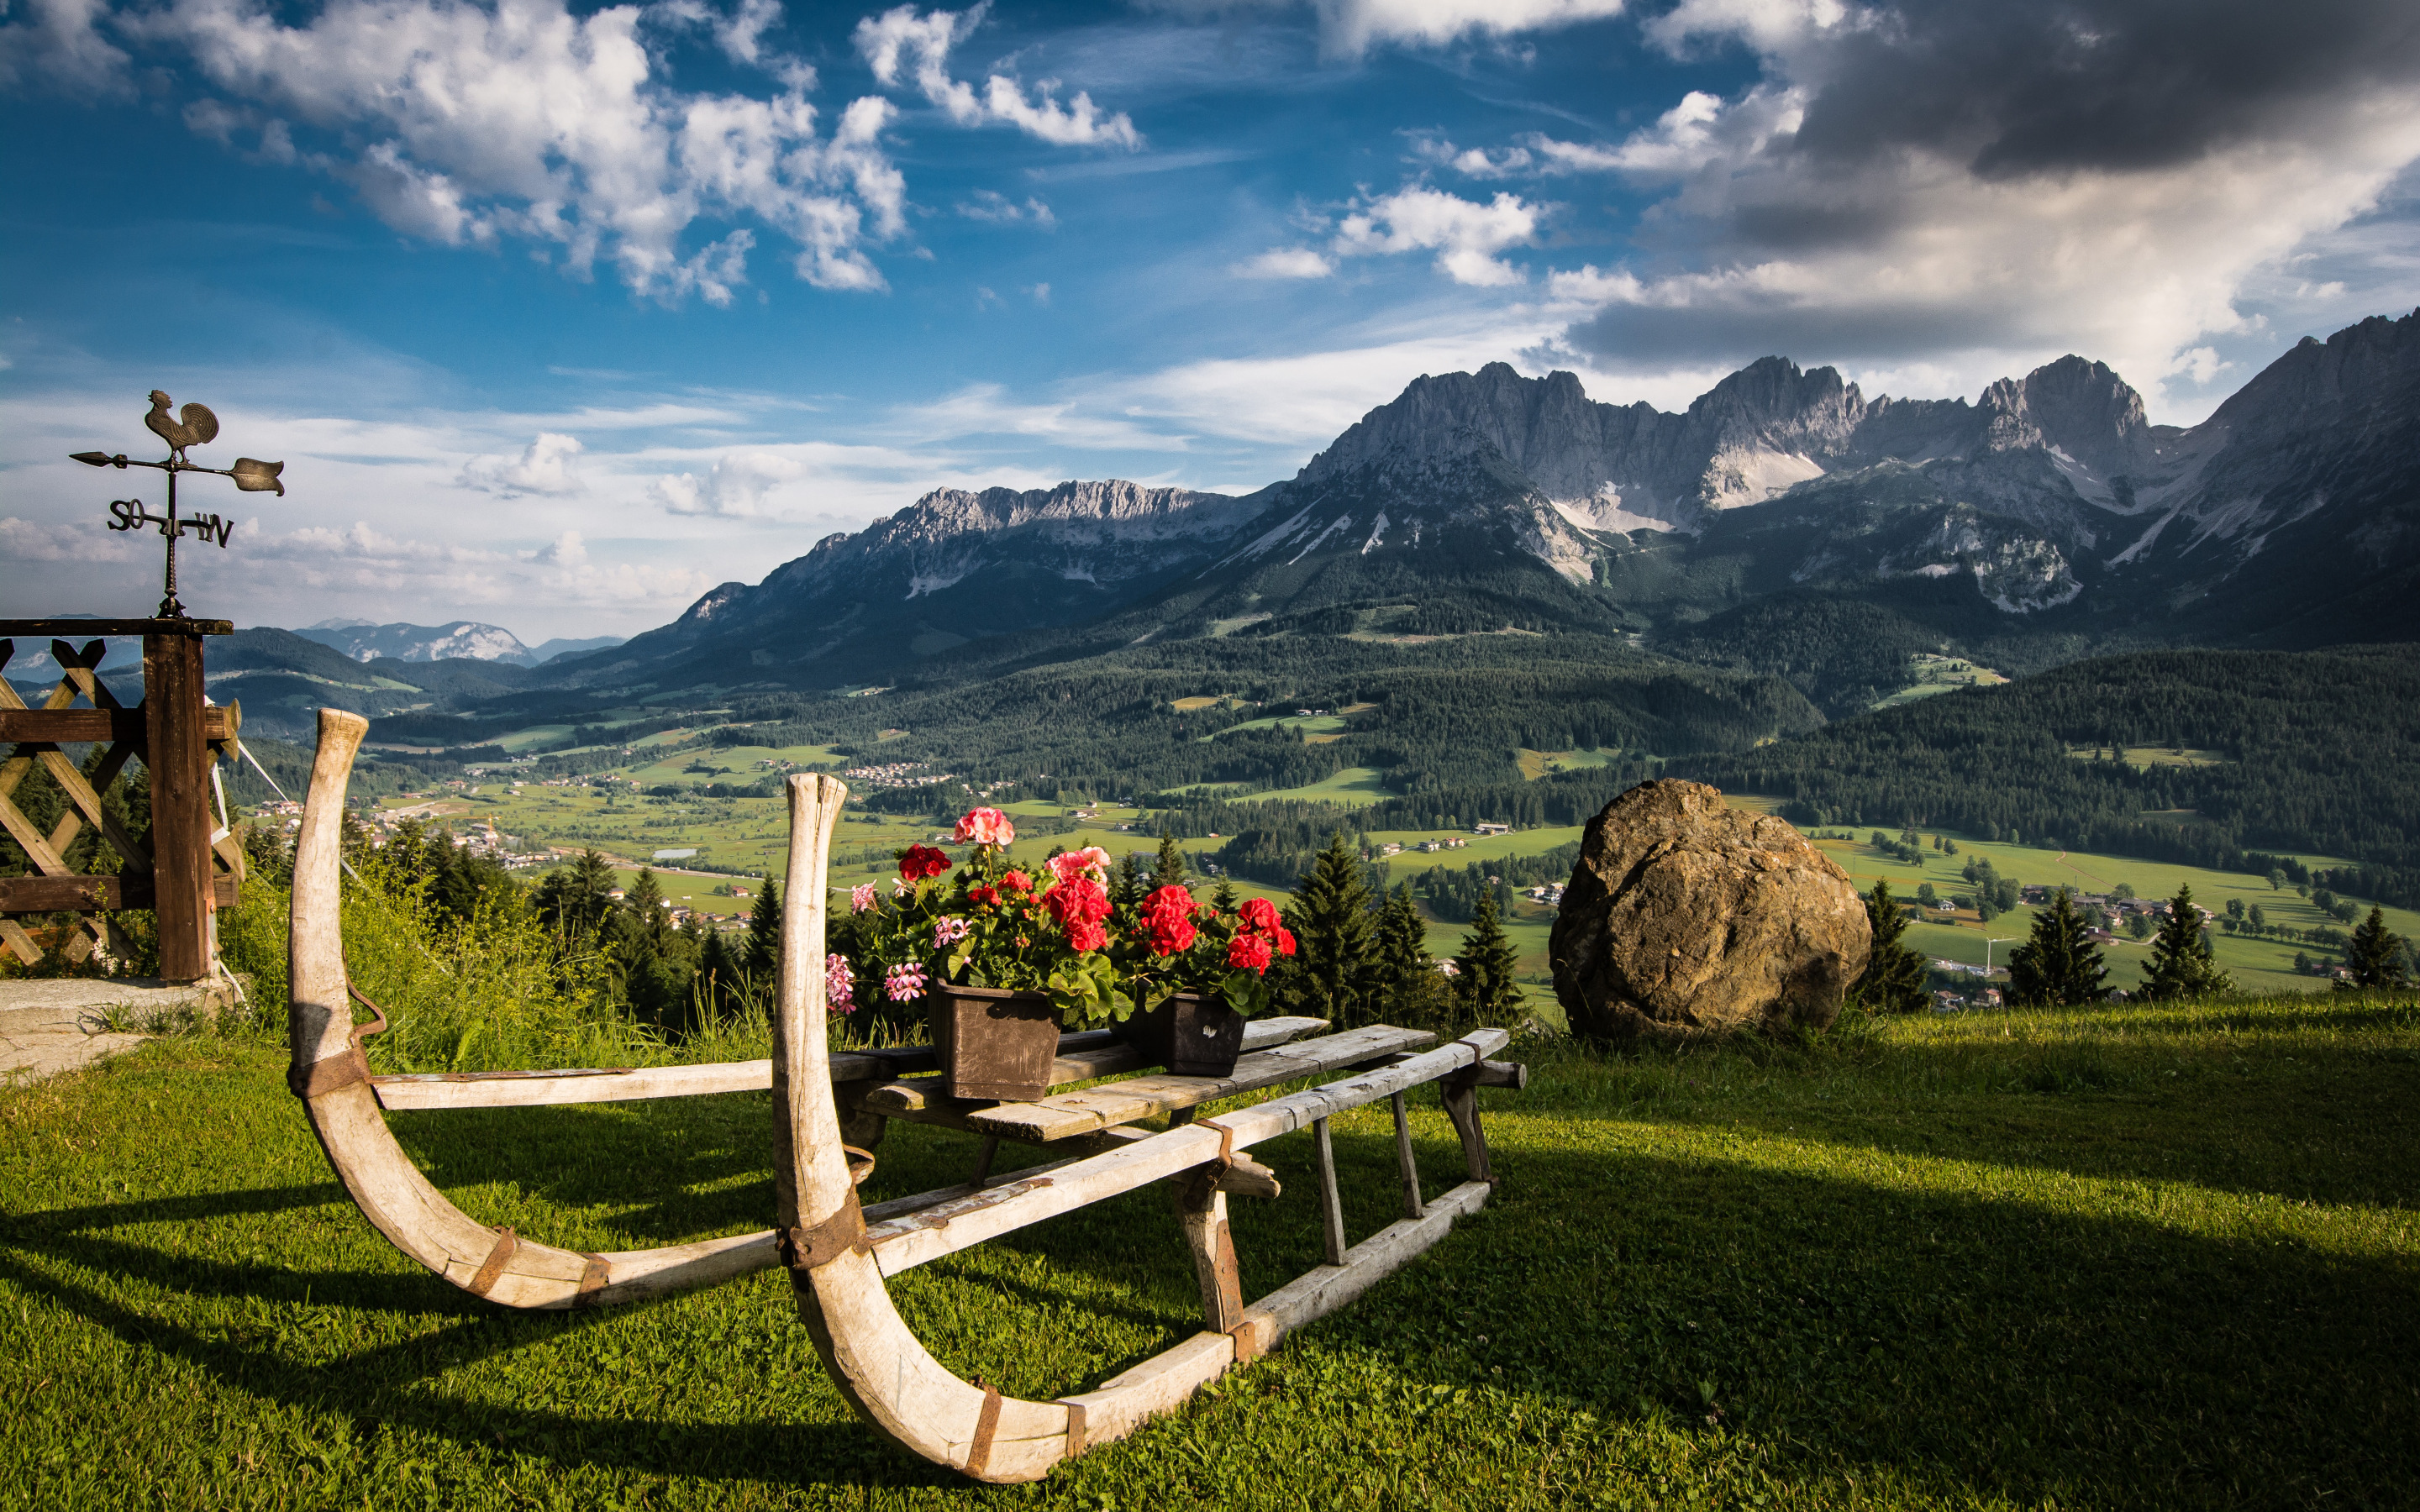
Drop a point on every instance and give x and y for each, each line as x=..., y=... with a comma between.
x=839, y=1254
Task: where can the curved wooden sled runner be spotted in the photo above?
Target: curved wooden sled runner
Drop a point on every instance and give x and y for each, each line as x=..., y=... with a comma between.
x=332, y=1079
x=838, y=1254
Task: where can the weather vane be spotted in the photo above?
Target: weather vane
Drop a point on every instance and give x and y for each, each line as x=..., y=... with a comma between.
x=195, y=425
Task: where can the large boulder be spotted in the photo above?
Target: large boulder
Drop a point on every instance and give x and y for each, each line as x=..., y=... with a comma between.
x=1686, y=916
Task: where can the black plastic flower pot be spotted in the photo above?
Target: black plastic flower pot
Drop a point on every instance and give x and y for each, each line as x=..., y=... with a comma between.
x=1191, y=1034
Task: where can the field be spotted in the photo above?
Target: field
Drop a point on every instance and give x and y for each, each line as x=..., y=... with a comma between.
x=1939, y=674
x=2116, y=1259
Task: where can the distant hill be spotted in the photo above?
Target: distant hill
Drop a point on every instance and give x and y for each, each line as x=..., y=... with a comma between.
x=463, y=640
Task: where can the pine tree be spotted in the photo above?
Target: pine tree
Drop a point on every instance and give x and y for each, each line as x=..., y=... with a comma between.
x=1169, y=872
x=717, y=974
x=2376, y=956
x=1223, y=897
x=2059, y=966
x=645, y=901
x=1411, y=991
x=1126, y=886
x=761, y=957
x=2181, y=964
x=1487, y=962
x=1332, y=974
x=1894, y=978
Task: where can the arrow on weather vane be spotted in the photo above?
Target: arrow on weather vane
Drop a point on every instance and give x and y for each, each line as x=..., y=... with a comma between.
x=193, y=425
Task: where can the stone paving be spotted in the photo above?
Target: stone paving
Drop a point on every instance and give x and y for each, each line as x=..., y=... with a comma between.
x=55, y=1024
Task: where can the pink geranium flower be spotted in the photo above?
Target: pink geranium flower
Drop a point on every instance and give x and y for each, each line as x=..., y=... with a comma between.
x=1090, y=861
x=985, y=827
x=861, y=898
x=840, y=985
x=904, y=984
x=949, y=930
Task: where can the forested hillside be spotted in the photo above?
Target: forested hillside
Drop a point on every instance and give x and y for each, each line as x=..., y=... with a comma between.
x=1427, y=718
x=2233, y=753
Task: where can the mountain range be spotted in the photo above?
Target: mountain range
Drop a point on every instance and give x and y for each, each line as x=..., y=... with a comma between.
x=2046, y=519
x=463, y=640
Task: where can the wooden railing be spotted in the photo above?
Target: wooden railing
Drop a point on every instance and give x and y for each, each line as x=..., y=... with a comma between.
x=185, y=870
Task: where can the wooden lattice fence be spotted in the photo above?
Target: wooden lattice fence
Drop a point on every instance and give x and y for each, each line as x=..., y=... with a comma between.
x=189, y=865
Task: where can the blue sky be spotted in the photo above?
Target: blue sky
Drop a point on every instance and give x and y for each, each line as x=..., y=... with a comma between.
x=561, y=315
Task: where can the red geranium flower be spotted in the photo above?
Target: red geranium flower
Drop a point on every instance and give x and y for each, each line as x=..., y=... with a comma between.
x=1258, y=914
x=1079, y=900
x=986, y=896
x=1084, y=935
x=1170, y=936
x=1285, y=940
x=922, y=861
x=1249, y=952
x=1017, y=881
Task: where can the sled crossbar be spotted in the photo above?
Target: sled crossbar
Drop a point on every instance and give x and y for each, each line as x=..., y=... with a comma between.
x=1083, y=1056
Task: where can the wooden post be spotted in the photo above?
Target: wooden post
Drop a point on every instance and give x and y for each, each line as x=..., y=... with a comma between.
x=1202, y=1208
x=1412, y=1205
x=180, y=802
x=1331, y=1207
x=1460, y=1092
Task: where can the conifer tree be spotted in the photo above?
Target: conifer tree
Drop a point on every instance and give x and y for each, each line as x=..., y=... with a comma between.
x=2181, y=964
x=717, y=972
x=1223, y=897
x=2059, y=966
x=1411, y=991
x=1487, y=962
x=645, y=901
x=1169, y=872
x=1332, y=974
x=2375, y=956
x=1894, y=978
x=761, y=956
x=1127, y=886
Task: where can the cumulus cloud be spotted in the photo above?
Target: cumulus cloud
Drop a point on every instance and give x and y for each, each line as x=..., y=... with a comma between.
x=2008, y=181
x=737, y=486
x=466, y=123
x=1349, y=28
x=990, y=204
x=1283, y=262
x=544, y=466
x=1466, y=235
x=901, y=43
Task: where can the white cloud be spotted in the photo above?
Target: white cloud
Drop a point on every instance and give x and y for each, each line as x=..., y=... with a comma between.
x=1465, y=236
x=1946, y=190
x=990, y=204
x=466, y=123
x=900, y=40
x=59, y=46
x=1284, y=262
x=544, y=466
x=1348, y=27
x=984, y=410
x=737, y=486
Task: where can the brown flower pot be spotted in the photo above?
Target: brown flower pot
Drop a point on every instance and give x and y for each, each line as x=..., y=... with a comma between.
x=993, y=1043
x=1191, y=1034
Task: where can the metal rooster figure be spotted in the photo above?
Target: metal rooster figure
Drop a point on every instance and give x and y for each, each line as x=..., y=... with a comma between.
x=193, y=425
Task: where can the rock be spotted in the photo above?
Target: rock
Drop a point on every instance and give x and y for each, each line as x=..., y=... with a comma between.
x=1685, y=917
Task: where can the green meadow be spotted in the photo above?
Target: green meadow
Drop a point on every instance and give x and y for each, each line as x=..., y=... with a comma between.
x=2111, y=1258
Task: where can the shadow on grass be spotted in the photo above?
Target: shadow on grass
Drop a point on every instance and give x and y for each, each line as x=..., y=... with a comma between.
x=2302, y=1122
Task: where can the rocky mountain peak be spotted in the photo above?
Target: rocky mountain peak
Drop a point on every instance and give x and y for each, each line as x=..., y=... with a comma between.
x=1771, y=400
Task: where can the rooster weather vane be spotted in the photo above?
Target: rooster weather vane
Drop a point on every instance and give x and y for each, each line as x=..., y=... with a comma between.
x=193, y=425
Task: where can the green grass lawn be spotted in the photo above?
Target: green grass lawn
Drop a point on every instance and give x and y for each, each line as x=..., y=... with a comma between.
x=2116, y=1259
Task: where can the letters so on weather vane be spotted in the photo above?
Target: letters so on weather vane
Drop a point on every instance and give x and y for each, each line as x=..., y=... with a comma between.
x=193, y=425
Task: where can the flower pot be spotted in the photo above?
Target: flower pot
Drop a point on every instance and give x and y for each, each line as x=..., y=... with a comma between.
x=993, y=1043
x=1191, y=1034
